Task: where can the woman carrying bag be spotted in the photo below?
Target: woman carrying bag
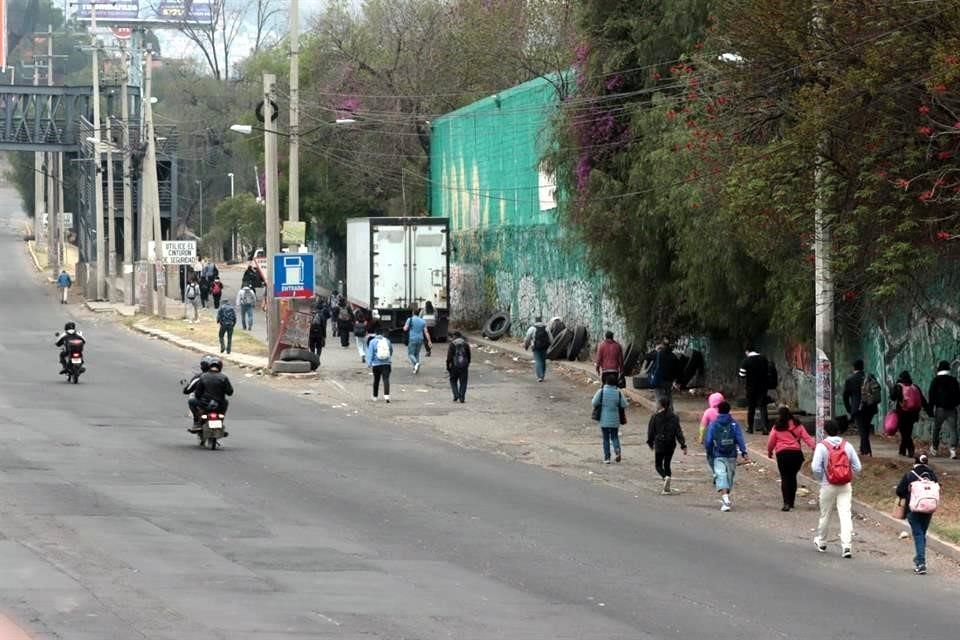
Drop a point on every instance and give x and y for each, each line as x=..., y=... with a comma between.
x=609, y=409
x=785, y=439
x=918, y=496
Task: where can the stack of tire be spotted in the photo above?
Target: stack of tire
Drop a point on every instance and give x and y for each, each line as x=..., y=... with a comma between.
x=296, y=360
x=566, y=343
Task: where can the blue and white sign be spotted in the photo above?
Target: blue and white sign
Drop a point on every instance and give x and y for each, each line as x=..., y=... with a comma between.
x=293, y=275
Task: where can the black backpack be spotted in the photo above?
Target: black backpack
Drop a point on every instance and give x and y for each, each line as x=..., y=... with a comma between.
x=541, y=339
x=460, y=356
x=229, y=316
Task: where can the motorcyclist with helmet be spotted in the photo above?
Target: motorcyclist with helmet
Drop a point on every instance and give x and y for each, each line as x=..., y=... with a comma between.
x=191, y=389
x=69, y=341
x=211, y=389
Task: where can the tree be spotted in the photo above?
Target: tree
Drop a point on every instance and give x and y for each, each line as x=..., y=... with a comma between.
x=242, y=215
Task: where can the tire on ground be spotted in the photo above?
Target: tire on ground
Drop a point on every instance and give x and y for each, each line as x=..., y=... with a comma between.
x=555, y=327
x=631, y=359
x=294, y=353
x=292, y=366
x=558, y=348
x=577, y=344
x=497, y=326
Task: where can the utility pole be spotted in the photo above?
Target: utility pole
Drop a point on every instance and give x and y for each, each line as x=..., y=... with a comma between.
x=294, y=190
x=823, y=280
x=111, y=222
x=38, y=174
x=98, y=180
x=273, y=211
x=61, y=223
x=54, y=206
x=128, y=279
x=151, y=195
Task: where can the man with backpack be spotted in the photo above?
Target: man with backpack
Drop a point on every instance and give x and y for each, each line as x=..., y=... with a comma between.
x=759, y=376
x=318, y=329
x=835, y=463
x=216, y=291
x=192, y=295
x=246, y=298
x=379, y=355
x=663, y=370
x=537, y=340
x=227, y=319
x=920, y=491
x=861, y=397
x=458, y=362
x=944, y=397
x=723, y=439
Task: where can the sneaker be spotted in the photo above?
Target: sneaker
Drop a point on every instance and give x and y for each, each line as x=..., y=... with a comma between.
x=606, y=461
x=373, y=398
x=953, y=454
x=387, y=399
x=618, y=457
x=724, y=507
x=920, y=569
x=666, y=484
x=821, y=545
x=416, y=368
x=462, y=400
x=725, y=499
x=933, y=452
x=539, y=379
x=846, y=553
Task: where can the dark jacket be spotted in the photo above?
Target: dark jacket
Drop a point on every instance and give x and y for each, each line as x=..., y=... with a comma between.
x=903, y=489
x=667, y=369
x=664, y=432
x=755, y=370
x=215, y=386
x=452, y=351
x=944, y=392
x=851, y=392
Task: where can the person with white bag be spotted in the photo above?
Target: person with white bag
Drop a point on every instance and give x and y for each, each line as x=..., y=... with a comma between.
x=919, y=493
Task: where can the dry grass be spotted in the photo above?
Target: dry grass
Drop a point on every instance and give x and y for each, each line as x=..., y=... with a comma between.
x=876, y=483
x=207, y=332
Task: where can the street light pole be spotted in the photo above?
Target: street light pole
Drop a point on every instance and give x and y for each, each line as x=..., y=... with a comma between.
x=111, y=222
x=98, y=180
x=230, y=175
x=294, y=195
x=273, y=211
x=233, y=232
x=128, y=279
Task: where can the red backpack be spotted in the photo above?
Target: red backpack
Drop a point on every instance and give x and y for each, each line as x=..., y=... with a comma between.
x=911, y=398
x=216, y=288
x=839, y=470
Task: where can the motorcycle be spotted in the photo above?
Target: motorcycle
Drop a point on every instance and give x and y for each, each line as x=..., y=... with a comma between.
x=74, y=362
x=212, y=429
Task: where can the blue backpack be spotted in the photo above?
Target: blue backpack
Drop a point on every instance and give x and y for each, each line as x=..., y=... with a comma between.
x=654, y=375
x=724, y=440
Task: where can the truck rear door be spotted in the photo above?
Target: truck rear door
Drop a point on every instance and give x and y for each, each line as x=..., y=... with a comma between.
x=428, y=275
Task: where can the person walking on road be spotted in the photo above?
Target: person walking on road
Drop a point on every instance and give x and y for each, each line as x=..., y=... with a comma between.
x=417, y=334
x=756, y=372
x=919, y=489
x=784, y=442
x=360, y=333
x=317, y=339
x=537, y=340
x=709, y=415
x=861, y=397
x=610, y=360
x=458, y=364
x=246, y=299
x=227, y=319
x=216, y=291
x=204, y=291
x=663, y=370
x=63, y=285
x=835, y=464
x=379, y=357
x=944, y=397
x=429, y=315
x=909, y=401
x=192, y=295
x=724, y=438
x=609, y=407
x=663, y=435
x=344, y=324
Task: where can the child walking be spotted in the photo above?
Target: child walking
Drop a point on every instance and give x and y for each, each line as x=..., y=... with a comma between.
x=724, y=437
x=663, y=434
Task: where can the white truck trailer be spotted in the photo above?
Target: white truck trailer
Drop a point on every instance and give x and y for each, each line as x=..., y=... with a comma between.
x=397, y=264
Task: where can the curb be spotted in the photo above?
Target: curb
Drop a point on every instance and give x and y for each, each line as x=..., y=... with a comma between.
x=33, y=256
x=935, y=542
x=247, y=362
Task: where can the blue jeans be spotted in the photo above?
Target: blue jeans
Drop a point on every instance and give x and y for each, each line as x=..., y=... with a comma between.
x=413, y=351
x=540, y=364
x=610, y=435
x=228, y=333
x=246, y=316
x=918, y=526
x=724, y=469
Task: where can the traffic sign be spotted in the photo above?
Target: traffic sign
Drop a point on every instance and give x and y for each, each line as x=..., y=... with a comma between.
x=293, y=275
x=178, y=251
x=122, y=33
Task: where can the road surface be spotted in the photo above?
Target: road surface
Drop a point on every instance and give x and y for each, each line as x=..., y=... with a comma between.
x=114, y=525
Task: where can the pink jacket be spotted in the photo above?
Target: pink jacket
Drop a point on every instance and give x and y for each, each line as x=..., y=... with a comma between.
x=711, y=413
x=789, y=439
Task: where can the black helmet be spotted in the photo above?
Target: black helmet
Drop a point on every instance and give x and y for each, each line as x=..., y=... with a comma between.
x=215, y=363
x=205, y=363
x=70, y=326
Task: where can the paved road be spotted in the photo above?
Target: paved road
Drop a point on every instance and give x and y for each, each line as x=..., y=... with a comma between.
x=113, y=525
